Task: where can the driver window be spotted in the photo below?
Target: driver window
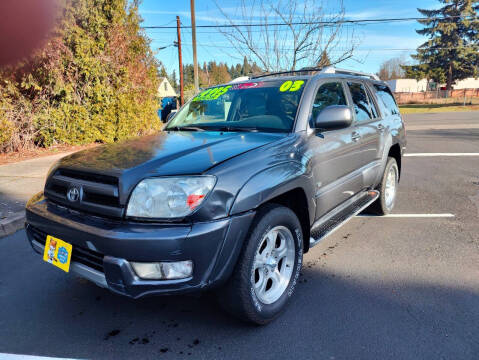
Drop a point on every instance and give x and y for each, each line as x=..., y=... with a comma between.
x=328, y=94
x=363, y=107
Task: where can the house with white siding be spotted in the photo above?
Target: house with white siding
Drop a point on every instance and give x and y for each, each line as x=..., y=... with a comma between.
x=165, y=89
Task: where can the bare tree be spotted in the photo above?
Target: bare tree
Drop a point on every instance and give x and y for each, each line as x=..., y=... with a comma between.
x=290, y=33
x=393, y=68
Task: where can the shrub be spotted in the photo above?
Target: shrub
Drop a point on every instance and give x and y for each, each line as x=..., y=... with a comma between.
x=94, y=81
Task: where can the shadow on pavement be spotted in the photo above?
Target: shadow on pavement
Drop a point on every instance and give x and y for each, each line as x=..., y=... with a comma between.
x=10, y=204
x=456, y=134
x=49, y=313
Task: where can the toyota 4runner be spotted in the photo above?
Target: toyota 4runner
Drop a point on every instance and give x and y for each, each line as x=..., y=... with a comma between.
x=243, y=181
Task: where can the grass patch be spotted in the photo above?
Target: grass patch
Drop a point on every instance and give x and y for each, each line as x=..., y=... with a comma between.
x=435, y=108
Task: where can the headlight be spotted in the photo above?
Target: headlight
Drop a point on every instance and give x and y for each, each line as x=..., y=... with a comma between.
x=169, y=197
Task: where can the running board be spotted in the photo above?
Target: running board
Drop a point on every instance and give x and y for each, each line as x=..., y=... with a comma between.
x=339, y=216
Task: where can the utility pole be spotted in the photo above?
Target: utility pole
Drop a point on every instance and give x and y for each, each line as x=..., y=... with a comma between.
x=193, y=38
x=178, y=44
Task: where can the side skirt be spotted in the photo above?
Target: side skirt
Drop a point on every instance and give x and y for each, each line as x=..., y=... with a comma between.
x=337, y=217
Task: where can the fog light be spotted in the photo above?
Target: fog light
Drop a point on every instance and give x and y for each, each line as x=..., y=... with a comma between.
x=163, y=270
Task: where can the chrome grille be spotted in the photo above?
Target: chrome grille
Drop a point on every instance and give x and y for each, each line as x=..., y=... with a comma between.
x=98, y=194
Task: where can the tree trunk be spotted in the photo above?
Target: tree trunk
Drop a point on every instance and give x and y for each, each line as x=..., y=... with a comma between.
x=449, y=78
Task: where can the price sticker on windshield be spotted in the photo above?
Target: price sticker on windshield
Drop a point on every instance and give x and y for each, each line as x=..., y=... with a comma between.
x=291, y=86
x=212, y=94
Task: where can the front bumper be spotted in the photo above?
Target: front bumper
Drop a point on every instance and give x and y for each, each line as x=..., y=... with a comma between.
x=103, y=248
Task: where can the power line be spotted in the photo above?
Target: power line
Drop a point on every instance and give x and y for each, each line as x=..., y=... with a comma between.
x=359, y=49
x=170, y=31
x=325, y=23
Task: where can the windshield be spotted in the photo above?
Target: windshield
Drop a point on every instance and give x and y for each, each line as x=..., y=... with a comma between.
x=267, y=106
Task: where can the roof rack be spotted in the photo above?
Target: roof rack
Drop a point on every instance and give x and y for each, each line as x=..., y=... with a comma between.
x=333, y=70
x=303, y=70
x=321, y=70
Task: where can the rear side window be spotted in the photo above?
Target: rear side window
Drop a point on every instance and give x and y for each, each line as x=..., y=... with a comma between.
x=363, y=106
x=386, y=100
x=328, y=94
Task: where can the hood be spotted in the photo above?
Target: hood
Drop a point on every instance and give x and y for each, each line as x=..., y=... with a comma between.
x=166, y=153
x=105, y=176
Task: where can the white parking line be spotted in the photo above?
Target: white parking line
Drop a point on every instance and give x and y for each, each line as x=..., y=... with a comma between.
x=446, y=215
x=4, y=356
x=440, y=154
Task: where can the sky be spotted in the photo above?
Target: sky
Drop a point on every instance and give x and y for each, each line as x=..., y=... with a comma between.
x=377, y=42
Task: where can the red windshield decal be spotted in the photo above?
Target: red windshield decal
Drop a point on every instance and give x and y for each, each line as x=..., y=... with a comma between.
x=249, y=85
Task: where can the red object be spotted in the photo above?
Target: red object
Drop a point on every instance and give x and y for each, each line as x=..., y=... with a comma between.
x=247, y=85
x=193, y=200
x=24, y=27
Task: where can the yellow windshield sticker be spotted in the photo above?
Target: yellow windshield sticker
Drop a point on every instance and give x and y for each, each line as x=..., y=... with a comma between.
x=212, y=94
x=291, y=86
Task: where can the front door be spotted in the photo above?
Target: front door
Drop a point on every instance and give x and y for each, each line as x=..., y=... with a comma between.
x=335, y=154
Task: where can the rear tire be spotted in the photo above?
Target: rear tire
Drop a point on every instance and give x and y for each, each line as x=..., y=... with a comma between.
x=268, y=268
x=387, y=189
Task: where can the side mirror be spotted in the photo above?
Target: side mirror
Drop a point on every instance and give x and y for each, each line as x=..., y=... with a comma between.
x=334, y=117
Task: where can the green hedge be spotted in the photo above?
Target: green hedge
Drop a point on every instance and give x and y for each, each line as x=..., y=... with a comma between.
x=95, y=81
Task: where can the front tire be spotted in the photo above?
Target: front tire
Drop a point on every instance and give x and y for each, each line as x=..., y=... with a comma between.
x=387, y=189
x=268, y=268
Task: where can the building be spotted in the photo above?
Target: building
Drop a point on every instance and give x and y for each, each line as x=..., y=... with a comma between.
x=412, y=85
x=407, y=85
x=469, y=83
x=165, y=89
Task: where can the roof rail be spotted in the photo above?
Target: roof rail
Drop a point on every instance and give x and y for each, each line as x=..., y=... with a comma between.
x=321, y=70
x=286, y=72
x=333, y=70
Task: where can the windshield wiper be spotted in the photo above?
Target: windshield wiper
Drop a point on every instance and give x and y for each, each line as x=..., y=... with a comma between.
x=252, y=129
x=234, y=129
x=223, y=128
x=185, y=128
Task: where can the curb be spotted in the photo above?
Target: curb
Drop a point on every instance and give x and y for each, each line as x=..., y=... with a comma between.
x=11, y=224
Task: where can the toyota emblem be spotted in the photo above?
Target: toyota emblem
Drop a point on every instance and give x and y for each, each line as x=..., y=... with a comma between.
x=73, y=194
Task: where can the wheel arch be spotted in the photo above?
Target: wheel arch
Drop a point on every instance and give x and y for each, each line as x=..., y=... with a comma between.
x=296, y=200
x=283, y=184
x=395, y=152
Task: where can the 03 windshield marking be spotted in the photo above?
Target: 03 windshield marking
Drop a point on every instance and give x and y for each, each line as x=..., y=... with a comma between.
x=265, y=106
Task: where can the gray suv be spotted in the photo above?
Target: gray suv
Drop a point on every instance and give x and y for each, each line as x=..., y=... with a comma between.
x=243, y=181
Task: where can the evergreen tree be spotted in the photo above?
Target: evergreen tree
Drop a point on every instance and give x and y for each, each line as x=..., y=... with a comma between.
x=238, y=70
x=246, y=69
x=96, y=80
x=188, y=74
x=219, y=73
x=452, y=51
x=161, y=70
x=232, y=72
x=174, y=80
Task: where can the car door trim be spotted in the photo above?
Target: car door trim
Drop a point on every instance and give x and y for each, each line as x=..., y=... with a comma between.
x=362, y=171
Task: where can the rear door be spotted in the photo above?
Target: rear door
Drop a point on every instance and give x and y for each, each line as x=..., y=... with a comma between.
x=335, y=154
x=368, y=125
x=389, y=123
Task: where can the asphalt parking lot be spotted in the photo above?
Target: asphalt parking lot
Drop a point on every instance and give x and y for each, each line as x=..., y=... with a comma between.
x=379, y=288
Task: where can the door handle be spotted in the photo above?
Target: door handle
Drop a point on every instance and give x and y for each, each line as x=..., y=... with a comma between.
x=355, y=136
x=381, y=127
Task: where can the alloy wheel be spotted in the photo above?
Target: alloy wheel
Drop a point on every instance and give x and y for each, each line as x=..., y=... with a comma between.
x=390, y=189
x=273, y=264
